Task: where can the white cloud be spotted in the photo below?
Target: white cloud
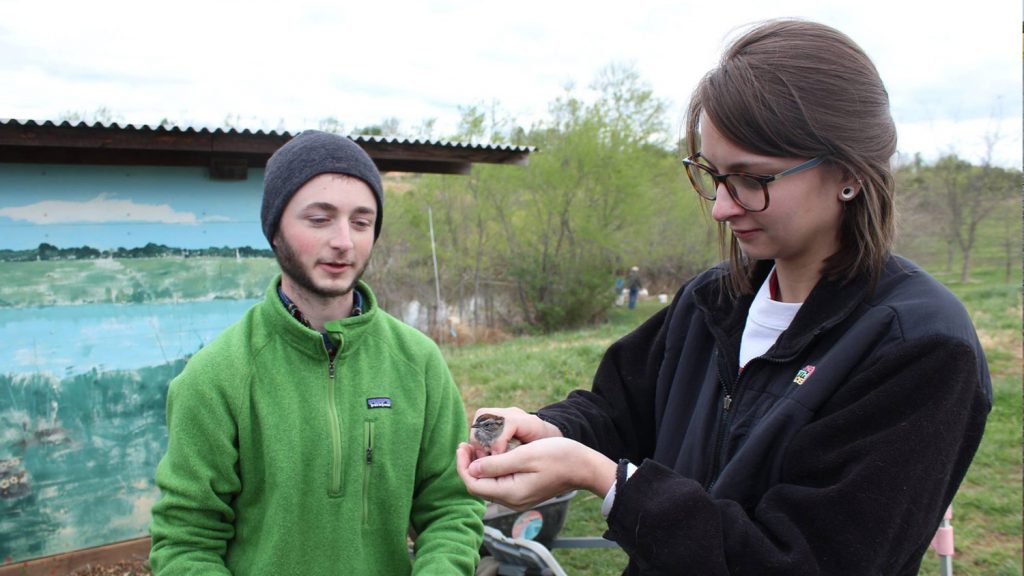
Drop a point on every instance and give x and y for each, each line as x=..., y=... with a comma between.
x=287, y=65
x=101, y=209
x=218, y=219
x=979, y=140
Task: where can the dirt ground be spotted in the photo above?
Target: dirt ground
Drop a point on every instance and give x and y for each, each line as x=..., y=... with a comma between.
x=136, y=568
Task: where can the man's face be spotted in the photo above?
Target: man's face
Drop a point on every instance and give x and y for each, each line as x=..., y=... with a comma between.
x=325, y=236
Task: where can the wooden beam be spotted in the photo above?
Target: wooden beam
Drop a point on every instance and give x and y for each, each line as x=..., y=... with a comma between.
x=422, y=166
x=451, y=152
x=36, y=136
x=68, y=562
x=49, y=143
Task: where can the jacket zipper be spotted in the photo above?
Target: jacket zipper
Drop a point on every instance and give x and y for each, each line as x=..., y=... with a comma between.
x=368, y=442
x=334, y=488
x=723, y=426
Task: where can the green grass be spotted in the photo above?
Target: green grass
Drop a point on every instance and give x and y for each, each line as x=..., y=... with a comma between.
x=133, y=280
x=530, y=372
x=987, y=509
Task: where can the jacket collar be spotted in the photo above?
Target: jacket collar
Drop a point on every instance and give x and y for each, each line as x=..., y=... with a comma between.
x=829, y=303
x=341, y=332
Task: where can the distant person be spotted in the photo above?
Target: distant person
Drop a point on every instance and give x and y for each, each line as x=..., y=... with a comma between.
x=634, y=285
x=811, y=405
x=620, y=290
x=311, y=435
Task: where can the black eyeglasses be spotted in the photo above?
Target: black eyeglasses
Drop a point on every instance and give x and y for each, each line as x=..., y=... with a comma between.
x=748, y=190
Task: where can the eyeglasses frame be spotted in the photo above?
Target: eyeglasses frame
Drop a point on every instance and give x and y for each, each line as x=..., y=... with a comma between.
x=761, y=179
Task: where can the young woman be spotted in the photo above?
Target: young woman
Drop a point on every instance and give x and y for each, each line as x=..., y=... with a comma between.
x=809, y=406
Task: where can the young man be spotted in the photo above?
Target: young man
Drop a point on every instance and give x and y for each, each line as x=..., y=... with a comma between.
x=311, y=435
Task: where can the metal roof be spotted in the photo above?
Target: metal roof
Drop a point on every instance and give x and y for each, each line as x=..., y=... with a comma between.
x=224, y=151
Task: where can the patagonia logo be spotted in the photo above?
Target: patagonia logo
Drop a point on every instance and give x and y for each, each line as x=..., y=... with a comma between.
x=381, y=402
x=803, y=375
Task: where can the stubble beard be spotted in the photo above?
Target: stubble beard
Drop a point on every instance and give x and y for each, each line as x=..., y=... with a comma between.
x=291, y=267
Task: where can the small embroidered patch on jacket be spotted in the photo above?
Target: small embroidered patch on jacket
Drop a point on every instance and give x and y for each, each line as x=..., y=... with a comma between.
x=380, y=402
x=803, y=375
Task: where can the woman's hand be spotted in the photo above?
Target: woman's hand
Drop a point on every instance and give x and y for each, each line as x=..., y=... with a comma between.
x=494, y=428
x=535, y=472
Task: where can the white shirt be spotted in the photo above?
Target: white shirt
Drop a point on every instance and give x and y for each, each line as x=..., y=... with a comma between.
x=765, y=321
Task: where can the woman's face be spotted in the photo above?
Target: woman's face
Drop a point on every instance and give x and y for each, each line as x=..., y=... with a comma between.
x=800, y=227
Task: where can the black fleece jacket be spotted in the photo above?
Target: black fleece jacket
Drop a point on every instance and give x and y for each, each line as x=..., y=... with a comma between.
x=836, y=452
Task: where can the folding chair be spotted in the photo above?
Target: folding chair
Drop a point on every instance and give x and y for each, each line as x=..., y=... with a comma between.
x=523, y=557
x=519, y=556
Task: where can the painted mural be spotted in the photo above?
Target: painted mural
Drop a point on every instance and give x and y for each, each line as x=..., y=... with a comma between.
x=112, y=277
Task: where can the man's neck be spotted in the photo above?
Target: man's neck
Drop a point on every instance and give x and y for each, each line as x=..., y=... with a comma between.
x=317, y=309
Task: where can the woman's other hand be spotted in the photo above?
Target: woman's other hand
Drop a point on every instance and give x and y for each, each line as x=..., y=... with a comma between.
x=534, y=472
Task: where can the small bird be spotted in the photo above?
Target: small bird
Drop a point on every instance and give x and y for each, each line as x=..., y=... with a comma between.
x=487, y=428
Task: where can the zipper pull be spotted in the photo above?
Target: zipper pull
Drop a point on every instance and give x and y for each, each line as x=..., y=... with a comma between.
x=727, y=402
x=369, y=455
x=330, y=369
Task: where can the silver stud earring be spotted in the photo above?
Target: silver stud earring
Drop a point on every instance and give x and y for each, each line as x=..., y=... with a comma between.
x=847, y=194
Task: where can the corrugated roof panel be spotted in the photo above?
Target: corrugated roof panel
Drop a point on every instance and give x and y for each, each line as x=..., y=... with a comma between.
x=268, y=133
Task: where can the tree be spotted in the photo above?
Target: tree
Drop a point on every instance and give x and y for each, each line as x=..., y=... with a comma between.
x=102, y=115
x=586, y=202
x=233, y=121
x=464, y=231
x=971, y=194
x=332, y=125
x=389, y=128
x=602, y=192
x=425, y=130
x=954, y=201
x=47, y=251
x=632, y=114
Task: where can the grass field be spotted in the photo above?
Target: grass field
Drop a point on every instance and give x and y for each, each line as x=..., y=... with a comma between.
x=532, y=371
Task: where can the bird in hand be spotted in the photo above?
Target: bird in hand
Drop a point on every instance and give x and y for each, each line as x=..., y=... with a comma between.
x=487, y=428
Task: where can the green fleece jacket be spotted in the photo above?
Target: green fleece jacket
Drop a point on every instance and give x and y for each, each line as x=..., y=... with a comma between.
x=282, y=461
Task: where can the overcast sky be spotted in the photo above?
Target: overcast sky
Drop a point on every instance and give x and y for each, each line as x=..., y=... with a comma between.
x=953, y=69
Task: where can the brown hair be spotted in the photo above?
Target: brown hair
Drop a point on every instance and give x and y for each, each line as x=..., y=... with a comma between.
x=792, y=88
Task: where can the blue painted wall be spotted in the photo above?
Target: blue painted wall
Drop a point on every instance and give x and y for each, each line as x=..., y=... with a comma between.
x=108, y=207
x=92, y=337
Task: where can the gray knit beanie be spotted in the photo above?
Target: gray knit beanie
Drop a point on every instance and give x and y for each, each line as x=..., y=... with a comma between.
x=309, y=154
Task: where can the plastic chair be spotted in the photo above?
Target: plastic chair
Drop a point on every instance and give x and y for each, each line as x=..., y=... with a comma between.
x=942, y=543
